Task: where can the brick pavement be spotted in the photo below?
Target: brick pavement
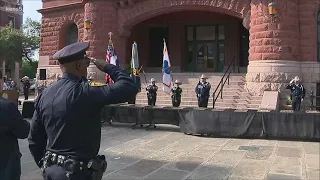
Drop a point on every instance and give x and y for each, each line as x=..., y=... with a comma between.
x=165, y=153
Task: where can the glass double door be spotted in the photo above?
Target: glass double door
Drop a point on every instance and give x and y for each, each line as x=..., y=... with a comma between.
x=205, y=56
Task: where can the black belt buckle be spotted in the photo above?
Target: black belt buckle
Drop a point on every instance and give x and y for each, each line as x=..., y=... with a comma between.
x=71, y=166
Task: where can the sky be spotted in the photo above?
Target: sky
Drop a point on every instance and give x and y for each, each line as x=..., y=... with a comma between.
x=30, y=8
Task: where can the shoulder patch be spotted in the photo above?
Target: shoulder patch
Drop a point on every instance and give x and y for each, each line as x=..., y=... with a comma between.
x=93, y=83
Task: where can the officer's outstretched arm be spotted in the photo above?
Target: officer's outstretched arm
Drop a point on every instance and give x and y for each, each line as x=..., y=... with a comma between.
x=122, y=90
x=19, y=127
x=37, y=138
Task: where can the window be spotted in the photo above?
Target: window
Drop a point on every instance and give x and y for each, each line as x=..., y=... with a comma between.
x=204, y=33
x=221, y=32
x=11, y=20
x=72, y=34
x=318, y=33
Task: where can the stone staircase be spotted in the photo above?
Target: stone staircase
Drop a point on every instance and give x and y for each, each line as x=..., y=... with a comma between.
x=234, y=95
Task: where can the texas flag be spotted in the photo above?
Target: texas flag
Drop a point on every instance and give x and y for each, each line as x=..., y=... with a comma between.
x=166, y=81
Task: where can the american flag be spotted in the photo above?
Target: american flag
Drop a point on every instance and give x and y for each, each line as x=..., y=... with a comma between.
x=111, y=58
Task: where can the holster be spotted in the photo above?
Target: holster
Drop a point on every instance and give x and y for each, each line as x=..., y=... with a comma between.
x=98, y=166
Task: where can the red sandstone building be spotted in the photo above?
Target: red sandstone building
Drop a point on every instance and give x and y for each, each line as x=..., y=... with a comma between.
x=202, y=36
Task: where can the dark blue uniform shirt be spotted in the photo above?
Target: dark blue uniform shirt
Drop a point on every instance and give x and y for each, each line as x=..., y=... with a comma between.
x=12, y=128
x=66, y=120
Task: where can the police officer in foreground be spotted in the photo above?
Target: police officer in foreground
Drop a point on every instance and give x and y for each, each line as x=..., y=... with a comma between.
x=203, y=91
x=152, y=92
x=176, y=92
x=66, y=130
x=12, y=128
x=297, y=93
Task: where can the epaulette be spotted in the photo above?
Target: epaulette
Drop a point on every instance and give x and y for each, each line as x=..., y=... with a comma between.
x=93, y=83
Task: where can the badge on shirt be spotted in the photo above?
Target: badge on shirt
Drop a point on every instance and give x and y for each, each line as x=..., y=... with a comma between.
x=93, y=83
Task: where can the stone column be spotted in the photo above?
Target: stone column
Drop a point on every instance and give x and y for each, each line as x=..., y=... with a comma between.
x=101, y=14
x=274, y=48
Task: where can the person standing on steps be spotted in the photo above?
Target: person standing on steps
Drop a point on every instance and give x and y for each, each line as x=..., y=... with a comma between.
x=297, y=93
x=152, y=92
x=176, y=92
x=203, y=91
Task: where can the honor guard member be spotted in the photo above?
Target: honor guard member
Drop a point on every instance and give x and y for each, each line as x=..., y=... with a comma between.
x=12, y=128
x=297, y=93
x=176, y=92
x=152, y=92
x=203, y=91
x=66, y=130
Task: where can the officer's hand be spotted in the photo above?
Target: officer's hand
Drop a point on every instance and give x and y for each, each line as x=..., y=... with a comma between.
x=291, y=81
x=100, y=64
x=302, y=100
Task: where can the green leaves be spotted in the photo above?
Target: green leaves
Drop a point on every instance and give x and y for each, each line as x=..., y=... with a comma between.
x=18, y=43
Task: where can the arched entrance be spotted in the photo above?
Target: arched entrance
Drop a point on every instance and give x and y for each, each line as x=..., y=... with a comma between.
x=199, y=34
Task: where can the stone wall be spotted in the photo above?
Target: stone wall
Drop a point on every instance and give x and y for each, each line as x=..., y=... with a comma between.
x=53, y=30
x=274, y=48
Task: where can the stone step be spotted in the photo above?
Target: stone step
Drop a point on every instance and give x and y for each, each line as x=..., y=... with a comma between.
x=192, y=96
x=230, y=90
x=223, y=105
x=231, y=99
x=183, y=99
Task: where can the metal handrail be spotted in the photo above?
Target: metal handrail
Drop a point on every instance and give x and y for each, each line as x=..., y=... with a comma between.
x=222, y=83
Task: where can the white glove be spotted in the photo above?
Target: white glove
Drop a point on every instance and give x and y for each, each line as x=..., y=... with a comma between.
x=302, y=100
x=291, y=81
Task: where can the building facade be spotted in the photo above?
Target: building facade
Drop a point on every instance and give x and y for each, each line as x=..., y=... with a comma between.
x=202, y=36
x=11, y=12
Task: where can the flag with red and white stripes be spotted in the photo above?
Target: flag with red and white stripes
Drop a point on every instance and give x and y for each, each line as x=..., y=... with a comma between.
x=111, y=58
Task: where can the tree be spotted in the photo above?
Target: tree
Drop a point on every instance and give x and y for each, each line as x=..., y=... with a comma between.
x=29, y=68
x=20, y=43
x=31, y=41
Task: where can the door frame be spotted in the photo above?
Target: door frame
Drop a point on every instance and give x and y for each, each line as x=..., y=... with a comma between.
x=217, y=66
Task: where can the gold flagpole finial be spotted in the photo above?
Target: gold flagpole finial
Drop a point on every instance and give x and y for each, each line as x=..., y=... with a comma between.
x=110, y=37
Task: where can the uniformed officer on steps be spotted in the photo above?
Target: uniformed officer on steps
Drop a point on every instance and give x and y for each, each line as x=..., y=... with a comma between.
x=152, y=92
x=12, y=128
x=65, y=133
x=203, y=91
x=176, y=92
x=297, y=93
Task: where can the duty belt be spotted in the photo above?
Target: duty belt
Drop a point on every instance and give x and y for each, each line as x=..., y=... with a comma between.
x=72, y=165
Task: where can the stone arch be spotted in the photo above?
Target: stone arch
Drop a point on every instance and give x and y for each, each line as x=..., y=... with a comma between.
x=73, y=22
x=71, y=34
x=143, y=10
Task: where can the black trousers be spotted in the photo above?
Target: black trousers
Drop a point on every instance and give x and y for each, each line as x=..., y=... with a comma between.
x=26, y=94
x=176, y=101
x=56, y=172
x=203, y=102
x=152, y=101
x=11, y=168
x=296, y=102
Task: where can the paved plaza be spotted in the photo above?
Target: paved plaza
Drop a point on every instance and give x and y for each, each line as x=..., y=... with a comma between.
x=165, y=153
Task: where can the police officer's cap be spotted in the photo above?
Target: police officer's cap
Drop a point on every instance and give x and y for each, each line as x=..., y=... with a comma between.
x=72, y=52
